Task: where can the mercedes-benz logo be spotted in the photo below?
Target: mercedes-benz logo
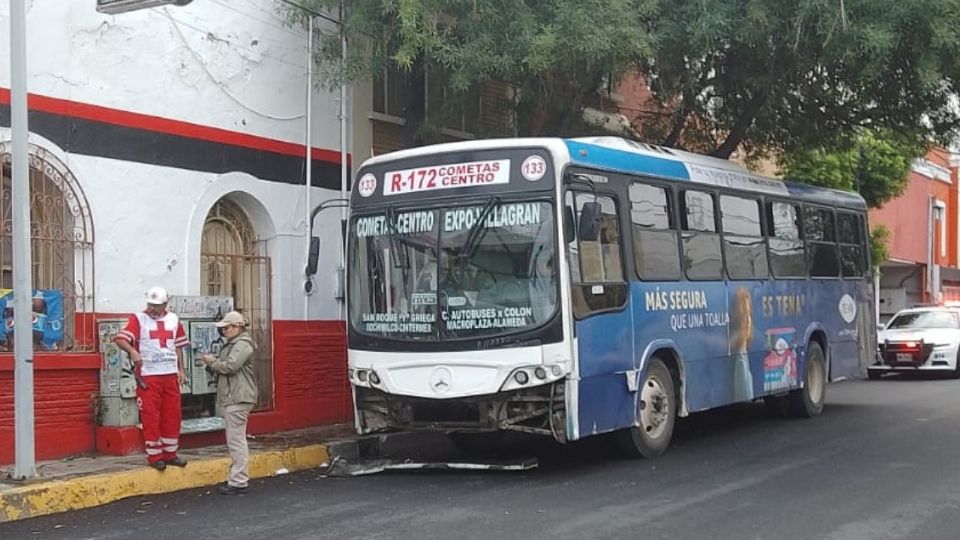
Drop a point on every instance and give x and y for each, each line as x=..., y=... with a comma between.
x=441, y=380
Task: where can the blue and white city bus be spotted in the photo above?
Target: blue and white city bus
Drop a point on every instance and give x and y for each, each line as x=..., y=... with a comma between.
x=572, y=287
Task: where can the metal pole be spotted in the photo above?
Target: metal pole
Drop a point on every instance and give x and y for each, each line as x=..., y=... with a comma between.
x=25, y=466
x=309, y=143
x=344, y=166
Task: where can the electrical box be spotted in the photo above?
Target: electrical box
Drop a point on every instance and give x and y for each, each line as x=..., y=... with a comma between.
x=204, y=339
x=199, y=315
x=118, y=387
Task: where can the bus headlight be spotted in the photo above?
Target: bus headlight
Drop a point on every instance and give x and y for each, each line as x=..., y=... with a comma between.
x=374, y=378
x=362, y=375
x=526, y=376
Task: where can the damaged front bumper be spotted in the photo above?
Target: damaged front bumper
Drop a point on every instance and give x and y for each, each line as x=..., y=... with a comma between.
x=539, y=410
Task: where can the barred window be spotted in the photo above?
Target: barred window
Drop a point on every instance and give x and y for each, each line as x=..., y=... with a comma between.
x=61, y=242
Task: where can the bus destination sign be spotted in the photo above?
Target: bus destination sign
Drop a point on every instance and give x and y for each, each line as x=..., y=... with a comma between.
x=448, y=176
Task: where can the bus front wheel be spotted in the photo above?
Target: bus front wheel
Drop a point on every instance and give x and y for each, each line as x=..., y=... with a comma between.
x=656, y=413
x=807, y=402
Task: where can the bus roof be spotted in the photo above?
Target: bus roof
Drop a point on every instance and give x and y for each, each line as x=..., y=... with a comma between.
x=616, y=154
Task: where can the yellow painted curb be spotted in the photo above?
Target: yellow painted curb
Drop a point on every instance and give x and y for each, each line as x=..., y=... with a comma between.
x=86, y=491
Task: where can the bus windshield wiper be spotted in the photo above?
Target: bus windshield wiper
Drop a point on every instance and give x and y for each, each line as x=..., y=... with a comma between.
x=477, y=231
x=398, y=256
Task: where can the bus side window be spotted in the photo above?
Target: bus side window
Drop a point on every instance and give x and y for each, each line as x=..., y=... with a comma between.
x=786, y=246
x=600, y=259
x=655, y=246
x=596, y=268
x=743, y=242
x=573, y=250
x=852, y=253
x=701, y=242
x=820, y=232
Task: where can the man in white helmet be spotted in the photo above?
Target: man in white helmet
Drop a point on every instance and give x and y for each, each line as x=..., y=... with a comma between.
x=155, y=339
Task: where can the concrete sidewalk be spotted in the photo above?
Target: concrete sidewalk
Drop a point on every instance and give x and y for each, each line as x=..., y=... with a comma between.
x=82, y=482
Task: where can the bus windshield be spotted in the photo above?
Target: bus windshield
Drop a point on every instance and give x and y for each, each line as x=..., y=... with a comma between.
x=455, y=272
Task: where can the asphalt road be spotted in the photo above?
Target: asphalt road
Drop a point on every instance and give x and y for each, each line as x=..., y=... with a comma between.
x=881, y=463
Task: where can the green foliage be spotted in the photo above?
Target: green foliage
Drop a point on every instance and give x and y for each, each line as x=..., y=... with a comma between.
x=769, y=75
x=555, y=54
x=879, y=244
x=874, y=164
x=765, y=77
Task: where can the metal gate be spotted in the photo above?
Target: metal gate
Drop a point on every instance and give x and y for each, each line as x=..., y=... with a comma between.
x=231, y=265
x=247, y=279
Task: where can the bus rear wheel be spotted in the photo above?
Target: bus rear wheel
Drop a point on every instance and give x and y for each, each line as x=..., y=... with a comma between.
x=807, y=402
x=656, y=414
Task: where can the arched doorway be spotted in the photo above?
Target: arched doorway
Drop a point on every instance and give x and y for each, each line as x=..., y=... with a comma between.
x=61, y=242
x=233, y=262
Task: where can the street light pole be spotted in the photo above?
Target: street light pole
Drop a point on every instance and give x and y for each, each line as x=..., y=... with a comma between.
x=308, y=184
x=25, y=458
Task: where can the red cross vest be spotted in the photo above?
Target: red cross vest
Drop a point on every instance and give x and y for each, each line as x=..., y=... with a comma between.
x=157, y=343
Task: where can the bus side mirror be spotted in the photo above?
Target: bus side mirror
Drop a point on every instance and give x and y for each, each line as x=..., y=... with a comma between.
x=313, y=257
x=589, y=226
x=569, y=232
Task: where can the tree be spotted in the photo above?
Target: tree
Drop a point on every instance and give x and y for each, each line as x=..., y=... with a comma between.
x=879, y=244
x=768, y=76
x=765, y=77
x=875, y=164
x=554, y=54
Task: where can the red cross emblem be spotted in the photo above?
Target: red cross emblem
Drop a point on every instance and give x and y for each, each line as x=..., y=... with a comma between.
x=161, y=334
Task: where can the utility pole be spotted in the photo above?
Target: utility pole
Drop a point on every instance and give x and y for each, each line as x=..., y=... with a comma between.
x=25, y=453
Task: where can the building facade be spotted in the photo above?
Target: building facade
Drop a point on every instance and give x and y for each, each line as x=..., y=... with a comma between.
x=924, y=237
x=167, y=147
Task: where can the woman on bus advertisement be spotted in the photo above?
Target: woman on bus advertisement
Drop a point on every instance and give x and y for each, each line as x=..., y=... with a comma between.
x=741, y=334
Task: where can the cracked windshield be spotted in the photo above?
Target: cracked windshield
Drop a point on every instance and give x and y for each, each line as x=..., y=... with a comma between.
x=455, y=272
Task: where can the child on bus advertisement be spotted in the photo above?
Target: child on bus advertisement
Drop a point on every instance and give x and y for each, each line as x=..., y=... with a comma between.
x=780, y=363
x=741, y=334
x=47, y=319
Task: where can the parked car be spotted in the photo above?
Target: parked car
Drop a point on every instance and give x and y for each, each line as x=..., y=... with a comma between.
x=919, y=339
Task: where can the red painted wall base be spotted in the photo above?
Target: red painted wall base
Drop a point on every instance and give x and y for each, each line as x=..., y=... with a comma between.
x=309, y=380
x=125, y=441
x=119, y=441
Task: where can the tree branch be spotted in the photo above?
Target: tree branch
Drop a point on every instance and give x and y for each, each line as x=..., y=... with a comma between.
x=739, y=131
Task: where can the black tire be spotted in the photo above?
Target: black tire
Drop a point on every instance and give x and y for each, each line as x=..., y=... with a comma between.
x=477, y=444
x=874, y=375
x=808, y=401
x=656, y=414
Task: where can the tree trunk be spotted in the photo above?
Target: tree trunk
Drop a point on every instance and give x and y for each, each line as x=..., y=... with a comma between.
x=739, y=131
x=679, y=121
x=415, y=106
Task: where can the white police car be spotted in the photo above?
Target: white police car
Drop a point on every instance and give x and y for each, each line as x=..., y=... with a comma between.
x=919, y=339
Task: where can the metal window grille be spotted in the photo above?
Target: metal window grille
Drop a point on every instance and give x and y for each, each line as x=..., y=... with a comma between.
x=61, y=234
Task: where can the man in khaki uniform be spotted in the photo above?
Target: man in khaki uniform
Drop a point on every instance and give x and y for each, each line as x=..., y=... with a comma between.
x=236, y=394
